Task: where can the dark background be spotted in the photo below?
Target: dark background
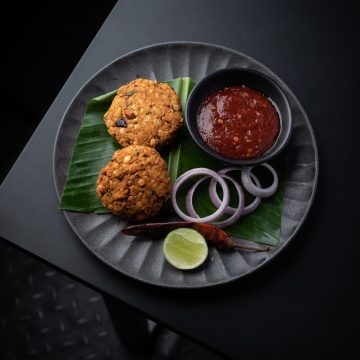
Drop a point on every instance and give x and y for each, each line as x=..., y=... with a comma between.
x=324, y=261
x=42, y=42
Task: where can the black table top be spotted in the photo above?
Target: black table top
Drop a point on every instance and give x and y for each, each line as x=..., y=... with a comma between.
x=304, y=302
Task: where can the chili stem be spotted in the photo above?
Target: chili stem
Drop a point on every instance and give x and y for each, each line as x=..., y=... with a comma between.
x=234, y=244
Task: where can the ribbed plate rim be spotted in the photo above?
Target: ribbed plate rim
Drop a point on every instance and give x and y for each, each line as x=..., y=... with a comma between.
x=300, y=223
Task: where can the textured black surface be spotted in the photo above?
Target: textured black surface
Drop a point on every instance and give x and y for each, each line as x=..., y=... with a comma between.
x=47, y=315
x=305, y=304
x=44, y=314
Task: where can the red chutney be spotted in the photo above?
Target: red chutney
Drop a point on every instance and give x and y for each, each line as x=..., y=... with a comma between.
x=238, y=122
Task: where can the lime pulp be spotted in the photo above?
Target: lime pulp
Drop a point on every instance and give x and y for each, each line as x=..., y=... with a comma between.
x=185, y=248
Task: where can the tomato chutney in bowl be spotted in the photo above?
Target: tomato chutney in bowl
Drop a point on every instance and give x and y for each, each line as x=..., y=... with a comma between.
x=239, y=116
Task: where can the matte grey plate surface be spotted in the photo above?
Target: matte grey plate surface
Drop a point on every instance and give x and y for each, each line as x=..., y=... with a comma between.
x=142, y=259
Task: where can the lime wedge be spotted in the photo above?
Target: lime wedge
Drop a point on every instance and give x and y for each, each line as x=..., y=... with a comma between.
x=185, y=248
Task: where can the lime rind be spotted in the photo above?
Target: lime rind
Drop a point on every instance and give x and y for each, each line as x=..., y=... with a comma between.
x=185, y=249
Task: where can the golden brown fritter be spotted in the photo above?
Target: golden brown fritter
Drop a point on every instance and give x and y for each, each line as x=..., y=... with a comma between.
x=135, y=183
x=144, y=112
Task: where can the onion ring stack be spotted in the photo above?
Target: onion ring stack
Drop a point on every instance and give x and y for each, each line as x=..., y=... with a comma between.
x=249, y=181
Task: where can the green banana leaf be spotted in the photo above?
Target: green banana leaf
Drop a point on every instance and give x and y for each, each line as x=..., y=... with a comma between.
x=94, y=148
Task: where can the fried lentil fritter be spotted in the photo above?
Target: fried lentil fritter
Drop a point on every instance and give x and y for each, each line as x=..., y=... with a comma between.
x=135, y=183
x=144, y=112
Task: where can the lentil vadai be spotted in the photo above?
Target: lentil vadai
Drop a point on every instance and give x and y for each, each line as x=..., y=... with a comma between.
x=144, y=112
x=135, y=183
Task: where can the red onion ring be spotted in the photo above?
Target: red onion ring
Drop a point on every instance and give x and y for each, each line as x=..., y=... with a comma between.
x=257, y=190
x=194, y=172
x=235, y=214
x=256, y=202
x=189, y=196
x=230, y=210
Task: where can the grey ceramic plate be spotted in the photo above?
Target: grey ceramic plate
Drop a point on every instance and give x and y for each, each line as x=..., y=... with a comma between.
x=142, y=259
